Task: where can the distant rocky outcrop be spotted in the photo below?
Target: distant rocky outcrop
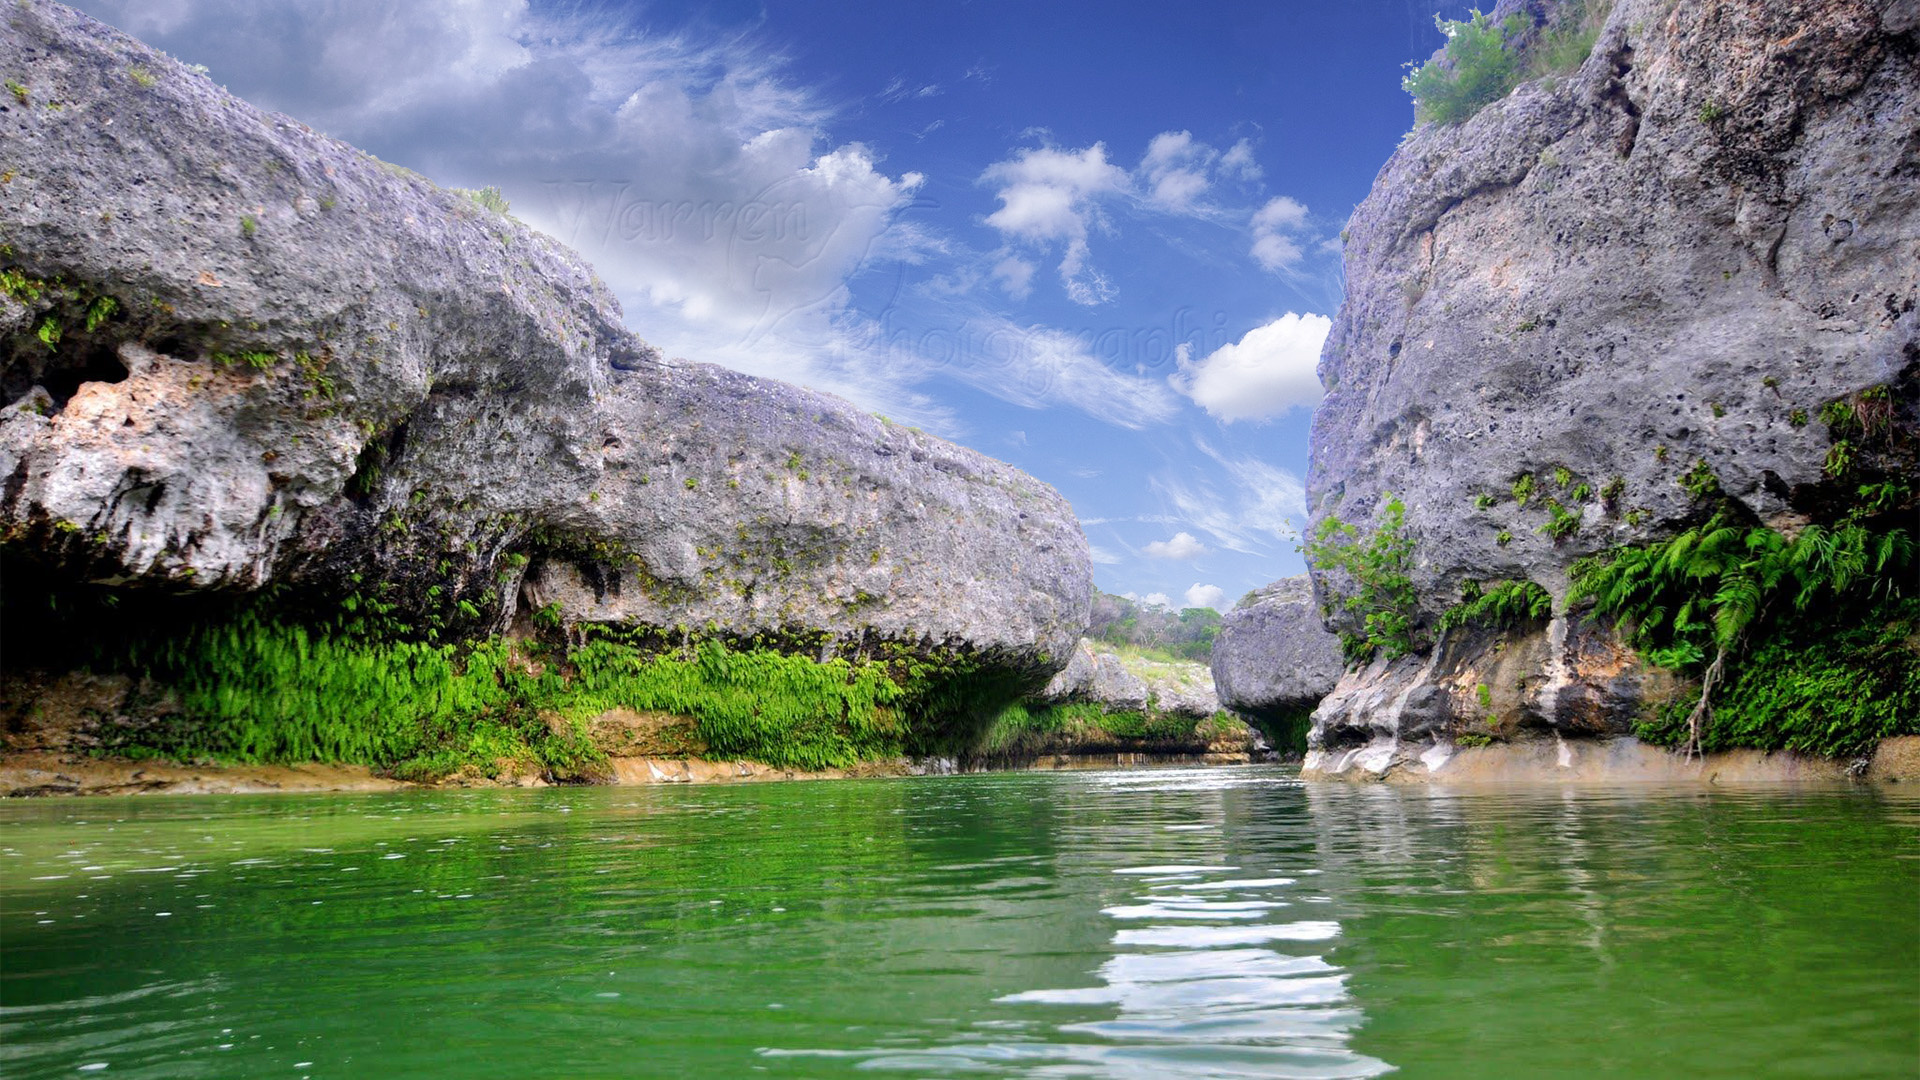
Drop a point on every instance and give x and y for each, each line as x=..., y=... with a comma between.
x=1118, y=707
x=240, y=354
x=1606, y=306
x=1274, y=658
x=1132, y=684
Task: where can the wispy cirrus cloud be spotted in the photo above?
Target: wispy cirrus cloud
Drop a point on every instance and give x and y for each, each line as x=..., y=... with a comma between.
x=1036, y=366
x=1259, y=507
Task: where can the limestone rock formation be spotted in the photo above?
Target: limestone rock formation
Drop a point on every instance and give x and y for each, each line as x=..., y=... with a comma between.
x=1273, y=655
x=1070, y=682
x=1142, y=710
x=239, y=353
x=1575, y=315
x=1114, y=687
x=1128, y=684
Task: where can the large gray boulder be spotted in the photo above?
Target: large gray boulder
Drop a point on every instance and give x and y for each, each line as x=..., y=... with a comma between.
x=1573, y=316
x=239, y=353
x=1114, y=687
x=1273, y=654
x=1182, y=688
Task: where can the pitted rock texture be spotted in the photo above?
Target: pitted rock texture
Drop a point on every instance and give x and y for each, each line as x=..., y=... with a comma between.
x=1132, y=684
x=1622, y=272
x=318, y=365
x=1273, y=654
x=1658, y=266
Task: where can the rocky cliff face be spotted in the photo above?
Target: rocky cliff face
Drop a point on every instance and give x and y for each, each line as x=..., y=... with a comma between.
x=238, y=353
x=1575, y=312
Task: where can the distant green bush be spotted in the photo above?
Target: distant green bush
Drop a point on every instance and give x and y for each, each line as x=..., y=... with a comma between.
x=1475, y=68
x=1483, y=61
x=1024, y=728
x=1187, y=634
x=486, y=198
x=1567, y=40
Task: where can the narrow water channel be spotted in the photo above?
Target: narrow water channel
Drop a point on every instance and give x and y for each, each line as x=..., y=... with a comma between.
x=1159, y=923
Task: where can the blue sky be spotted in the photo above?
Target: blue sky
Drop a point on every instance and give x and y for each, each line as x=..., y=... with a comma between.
x=1098, y=240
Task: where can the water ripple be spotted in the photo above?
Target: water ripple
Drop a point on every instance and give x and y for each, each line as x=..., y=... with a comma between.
x=1185, y=1000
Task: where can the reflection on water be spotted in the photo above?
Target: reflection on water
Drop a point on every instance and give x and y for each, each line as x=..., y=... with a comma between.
x=1258, y=1011
x=1213, y=974
x=1216, y=923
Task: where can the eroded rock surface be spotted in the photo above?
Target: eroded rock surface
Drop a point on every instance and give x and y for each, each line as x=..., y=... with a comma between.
x=1563, y=678
x=276, y=359
x=1574, y=317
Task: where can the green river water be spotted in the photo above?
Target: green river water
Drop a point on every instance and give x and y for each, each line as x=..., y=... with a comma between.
x=1147, y=924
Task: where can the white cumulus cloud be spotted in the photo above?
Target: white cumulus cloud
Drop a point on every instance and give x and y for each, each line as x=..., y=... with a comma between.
x=1272, y=369
x=1238, y=161
x=1015, y=275
x=1054, y=199
x=1184, y=545
x=697, y=180
x=1175, y=169
x=1206, y=596
x=1048, y=195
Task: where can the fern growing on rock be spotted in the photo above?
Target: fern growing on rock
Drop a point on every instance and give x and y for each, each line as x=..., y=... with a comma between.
x=1502, y=603
x=1725, y=592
